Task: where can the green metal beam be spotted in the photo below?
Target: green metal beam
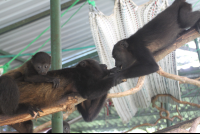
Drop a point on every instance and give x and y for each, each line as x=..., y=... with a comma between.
x=197, y=47
x=35, y=17
x=57, y=118
x=80, y=59
x=18, y=58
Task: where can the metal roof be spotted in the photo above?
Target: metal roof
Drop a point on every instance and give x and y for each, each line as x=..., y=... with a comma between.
x=75, y=34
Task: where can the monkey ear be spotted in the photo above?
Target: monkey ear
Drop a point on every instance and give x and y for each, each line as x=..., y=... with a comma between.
x=124, y=43
x=83, y=63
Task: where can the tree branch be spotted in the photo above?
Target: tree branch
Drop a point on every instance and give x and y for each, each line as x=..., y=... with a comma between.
x=178, y=78
x=131, y=91
x=62, y=105
x=180, y=127
x=161, y=109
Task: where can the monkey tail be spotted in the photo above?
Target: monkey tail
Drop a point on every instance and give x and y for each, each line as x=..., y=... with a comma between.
x=9, y=95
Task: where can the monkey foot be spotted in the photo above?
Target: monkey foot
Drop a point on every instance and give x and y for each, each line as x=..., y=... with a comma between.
x=34, y=111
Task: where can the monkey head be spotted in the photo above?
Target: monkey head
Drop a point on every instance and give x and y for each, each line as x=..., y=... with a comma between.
x=41, y=62
x=123, y=57
x=97, y=70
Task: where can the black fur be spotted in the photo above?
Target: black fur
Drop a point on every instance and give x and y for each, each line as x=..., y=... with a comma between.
x=23, y=127
x=89, y=78
x=156, y=35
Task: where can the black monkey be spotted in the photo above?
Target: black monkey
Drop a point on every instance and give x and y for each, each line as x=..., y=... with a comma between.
x=156, y=35
x=34, y=70
x=89, y=78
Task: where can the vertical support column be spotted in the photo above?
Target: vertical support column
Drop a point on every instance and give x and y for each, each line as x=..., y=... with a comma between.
x=197, y=47
x=57, y=118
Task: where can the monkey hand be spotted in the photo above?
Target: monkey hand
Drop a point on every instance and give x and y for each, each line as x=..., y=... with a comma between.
x=56, y=83
x=119, y=79
x=114, y=70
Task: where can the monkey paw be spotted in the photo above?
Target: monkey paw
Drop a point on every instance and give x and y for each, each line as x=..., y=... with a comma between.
x=56, y=83
x=114, y=70
x=34, y=111
x=119, y=79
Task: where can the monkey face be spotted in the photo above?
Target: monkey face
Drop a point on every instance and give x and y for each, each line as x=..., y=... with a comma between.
x=42, y=69
x=96, y=69
x=123, y=57
x=41, y=62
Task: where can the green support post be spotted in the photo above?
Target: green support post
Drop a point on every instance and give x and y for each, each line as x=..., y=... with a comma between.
x=57, y=118
x=197, y=47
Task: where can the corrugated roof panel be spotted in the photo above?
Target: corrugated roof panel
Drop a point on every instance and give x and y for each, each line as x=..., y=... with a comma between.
x=75, y=34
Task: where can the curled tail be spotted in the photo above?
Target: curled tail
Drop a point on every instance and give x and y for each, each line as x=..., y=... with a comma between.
x=9, y=95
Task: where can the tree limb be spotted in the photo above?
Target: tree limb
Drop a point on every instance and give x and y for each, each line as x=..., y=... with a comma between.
x=178, y=78
x=131, y=91
x=69, y=101
x=180, y=127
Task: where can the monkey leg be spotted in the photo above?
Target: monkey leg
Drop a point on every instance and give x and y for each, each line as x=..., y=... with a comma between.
x=23, y=127
x=186, y=17
x=9, y=95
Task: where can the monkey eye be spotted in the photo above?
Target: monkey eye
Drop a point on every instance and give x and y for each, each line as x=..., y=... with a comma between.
x=39, y=66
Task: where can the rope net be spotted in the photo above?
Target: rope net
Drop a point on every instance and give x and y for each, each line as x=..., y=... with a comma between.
x=125, y=21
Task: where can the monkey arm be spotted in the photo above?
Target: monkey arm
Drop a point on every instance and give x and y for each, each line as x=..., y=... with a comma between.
x=145, y=65
x=89, y=109
x=98, y=88
x=42, y=78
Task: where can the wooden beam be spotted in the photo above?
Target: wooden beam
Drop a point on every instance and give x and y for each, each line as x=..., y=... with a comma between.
x=35, y=17
x=183, y=125
x=66, y=103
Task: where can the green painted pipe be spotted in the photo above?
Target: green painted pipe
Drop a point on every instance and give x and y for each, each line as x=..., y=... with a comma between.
x=197, y=47
x=57, y=118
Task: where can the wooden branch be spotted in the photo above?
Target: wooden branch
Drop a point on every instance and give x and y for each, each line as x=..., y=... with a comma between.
x=180, y=127
x=178, y=78
x=161, y=109
x=61, y=105
x=131, y=91
x=193, y=79
x=185, y=38
x=45, y=125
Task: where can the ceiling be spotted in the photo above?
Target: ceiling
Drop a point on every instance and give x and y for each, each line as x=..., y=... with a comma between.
x=23, y=20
